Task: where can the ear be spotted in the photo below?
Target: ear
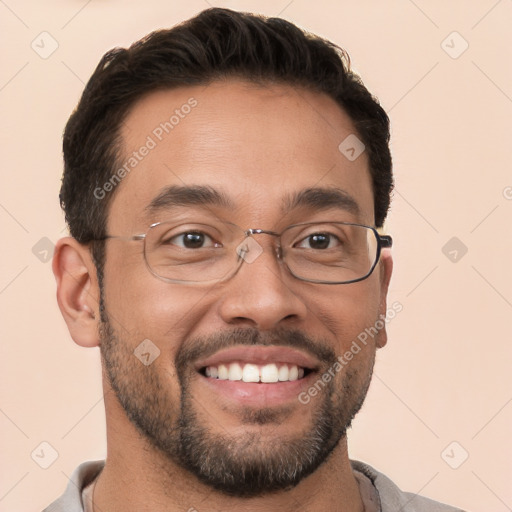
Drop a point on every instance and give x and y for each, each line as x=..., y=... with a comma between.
x=77, y=290
x=386, y=269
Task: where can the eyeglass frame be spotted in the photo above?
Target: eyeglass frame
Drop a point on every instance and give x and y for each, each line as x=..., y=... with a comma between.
x=383, y=242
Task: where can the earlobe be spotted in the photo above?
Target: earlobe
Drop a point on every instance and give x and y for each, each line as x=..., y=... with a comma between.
x=386, y=269
x=77, y=291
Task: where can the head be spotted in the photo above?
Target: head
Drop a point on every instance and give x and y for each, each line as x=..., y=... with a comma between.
x=226, y=119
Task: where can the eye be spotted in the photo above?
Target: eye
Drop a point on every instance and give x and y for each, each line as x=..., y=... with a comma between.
x=191, y=240
x=319, y=241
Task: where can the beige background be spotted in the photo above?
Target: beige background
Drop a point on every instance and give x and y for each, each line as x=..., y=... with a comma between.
x=445, y=374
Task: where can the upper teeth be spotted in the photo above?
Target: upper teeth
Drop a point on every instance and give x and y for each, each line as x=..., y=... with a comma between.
x=255, y=373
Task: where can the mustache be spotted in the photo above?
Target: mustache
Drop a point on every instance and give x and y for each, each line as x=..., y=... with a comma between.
x=206, y=346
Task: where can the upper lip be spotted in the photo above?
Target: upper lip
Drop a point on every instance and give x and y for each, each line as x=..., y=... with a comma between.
x=260, y=355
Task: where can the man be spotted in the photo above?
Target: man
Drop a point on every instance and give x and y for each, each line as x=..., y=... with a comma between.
x=223, y=186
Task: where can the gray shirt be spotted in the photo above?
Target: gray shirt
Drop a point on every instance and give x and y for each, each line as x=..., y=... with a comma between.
x=378, y=492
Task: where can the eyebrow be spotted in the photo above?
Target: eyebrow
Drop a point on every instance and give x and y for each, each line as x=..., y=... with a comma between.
x=318, y=198
x=192, y=195
x=321, y=198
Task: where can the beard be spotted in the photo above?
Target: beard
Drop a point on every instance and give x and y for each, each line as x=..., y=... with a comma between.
x=247, y=464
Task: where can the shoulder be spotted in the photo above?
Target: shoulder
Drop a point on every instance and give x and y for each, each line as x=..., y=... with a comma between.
x=392, y=498
x=71, y=500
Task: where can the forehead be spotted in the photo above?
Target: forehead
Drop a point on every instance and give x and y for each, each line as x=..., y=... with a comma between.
x=259, y=147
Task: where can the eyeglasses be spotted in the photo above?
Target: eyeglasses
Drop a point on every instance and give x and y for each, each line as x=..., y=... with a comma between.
x=316, y=252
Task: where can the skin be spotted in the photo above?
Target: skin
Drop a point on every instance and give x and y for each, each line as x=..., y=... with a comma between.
x=255, y=144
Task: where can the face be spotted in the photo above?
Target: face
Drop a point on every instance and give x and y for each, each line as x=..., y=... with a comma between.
x=257, y=148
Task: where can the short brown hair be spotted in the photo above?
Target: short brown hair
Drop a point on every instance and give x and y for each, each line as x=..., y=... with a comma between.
x=217, y=43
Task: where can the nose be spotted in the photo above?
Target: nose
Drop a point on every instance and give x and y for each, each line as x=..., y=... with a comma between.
x=262, y=293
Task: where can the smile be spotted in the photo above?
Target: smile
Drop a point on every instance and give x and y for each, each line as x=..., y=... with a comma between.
x=257, y=375
x=252, y=372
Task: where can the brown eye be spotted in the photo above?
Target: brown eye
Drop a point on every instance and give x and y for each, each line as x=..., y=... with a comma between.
x=318, y=241
x=191, y=240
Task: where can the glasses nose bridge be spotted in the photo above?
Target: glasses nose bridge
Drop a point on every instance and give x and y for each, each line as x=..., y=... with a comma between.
x=252, y=231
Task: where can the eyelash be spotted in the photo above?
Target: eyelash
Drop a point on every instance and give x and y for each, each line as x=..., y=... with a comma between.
x=184, y=233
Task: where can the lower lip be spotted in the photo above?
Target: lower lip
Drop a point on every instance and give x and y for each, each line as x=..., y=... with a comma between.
x=259, y=394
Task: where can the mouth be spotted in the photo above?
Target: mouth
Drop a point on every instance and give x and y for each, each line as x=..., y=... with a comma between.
x=257, y=375
x=253, y=372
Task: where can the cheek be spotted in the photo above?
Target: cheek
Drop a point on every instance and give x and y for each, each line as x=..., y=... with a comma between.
x=142, y=307
x=348, y=310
